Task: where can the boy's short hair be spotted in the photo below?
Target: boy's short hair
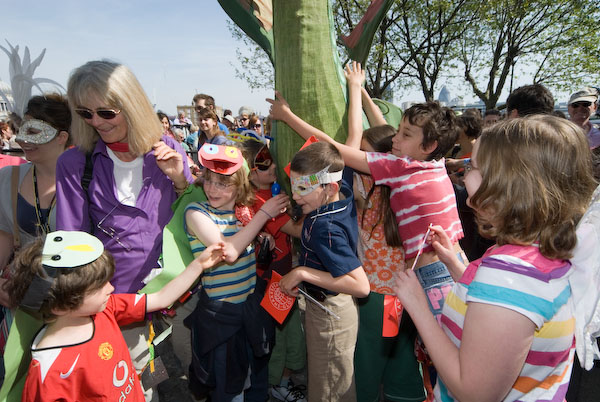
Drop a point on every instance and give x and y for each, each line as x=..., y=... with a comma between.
x=530, y=99
x=208, y=100
x=70, y=285
x=492, y=112
x=471, y=124
x=317, y=157
x=438, y=124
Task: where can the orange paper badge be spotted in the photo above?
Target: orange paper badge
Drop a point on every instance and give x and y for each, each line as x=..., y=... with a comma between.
x=392, y=312
x=277, y=303
x=311, y=140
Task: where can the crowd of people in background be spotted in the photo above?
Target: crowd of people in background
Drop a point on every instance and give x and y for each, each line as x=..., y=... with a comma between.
x=411, y=244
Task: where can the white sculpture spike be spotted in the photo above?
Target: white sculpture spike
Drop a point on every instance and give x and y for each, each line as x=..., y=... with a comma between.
x=21, y=78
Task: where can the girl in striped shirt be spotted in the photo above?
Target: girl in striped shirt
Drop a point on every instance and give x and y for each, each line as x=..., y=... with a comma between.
x=507, y=325
x=227, y=320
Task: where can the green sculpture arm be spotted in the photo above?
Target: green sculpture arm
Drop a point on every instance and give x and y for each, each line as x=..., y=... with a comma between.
x=255, y=18
x=308, y=73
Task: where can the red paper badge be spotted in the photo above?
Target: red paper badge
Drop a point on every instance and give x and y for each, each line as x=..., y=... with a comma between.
x=392, y=312
x=244, y=214
x=311, y=140
x=277, y=303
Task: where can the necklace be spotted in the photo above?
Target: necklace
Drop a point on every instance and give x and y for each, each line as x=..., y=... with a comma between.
x=42, y=220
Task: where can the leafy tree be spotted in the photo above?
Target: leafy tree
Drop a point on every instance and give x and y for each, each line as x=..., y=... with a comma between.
x=414, y=43
x=555, y=42
x=483, y=45
x=254, y=66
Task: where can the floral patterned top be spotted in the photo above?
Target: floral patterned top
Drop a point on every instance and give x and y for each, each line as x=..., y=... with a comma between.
x=379, y=260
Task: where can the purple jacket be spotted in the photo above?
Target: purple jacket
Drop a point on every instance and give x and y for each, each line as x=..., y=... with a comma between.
x=138, y=229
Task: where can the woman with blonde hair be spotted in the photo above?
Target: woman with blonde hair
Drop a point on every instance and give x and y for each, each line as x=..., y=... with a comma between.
x=121, y=179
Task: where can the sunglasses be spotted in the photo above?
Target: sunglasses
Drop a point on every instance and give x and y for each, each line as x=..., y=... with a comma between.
x=200, y=108
x=578, y=104
x=244, y=118
x=106, y=114
x=256, y=126
x=263, y=159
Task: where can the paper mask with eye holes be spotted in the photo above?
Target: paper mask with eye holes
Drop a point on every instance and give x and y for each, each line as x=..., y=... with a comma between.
x=221, y=159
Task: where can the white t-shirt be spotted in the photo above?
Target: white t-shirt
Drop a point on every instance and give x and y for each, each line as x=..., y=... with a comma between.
x=128, y=177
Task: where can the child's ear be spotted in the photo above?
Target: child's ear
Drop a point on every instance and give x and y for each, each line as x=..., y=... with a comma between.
x=332, y=189
x=58, y=312
x=428, y=149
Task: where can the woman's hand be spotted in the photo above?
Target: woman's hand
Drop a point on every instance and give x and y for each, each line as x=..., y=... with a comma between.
x=171, y=163
x=354, y=74
x=409, y=292
x=280, y=109
x=289, y=283
x=276, y=205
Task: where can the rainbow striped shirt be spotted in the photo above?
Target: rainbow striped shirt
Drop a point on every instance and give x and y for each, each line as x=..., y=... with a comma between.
x=521, y=279
x=224, y=282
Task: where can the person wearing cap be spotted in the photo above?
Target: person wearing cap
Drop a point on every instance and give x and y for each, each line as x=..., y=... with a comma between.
x=80, y=353
x=27, y=203
x=229, y=121
x=583, y=105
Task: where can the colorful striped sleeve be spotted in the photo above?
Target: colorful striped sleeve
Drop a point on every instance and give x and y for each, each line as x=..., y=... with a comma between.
x=507, y=281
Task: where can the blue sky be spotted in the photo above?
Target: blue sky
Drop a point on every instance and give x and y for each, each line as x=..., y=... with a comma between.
x=175, y=49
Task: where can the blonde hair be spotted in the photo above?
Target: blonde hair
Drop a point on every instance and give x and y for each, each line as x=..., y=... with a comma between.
x=244, y=192
x=536, y=183
x=115, y=85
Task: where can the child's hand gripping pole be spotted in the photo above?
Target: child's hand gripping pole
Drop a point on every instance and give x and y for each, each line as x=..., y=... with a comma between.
x=421, y=246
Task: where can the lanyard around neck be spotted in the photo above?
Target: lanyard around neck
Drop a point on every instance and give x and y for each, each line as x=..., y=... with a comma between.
x=42, y=220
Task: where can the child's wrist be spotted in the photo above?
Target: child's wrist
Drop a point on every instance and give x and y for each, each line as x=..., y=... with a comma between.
x=266, y=213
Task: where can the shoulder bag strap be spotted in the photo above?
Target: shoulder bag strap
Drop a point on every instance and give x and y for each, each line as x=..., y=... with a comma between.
x=14, y=185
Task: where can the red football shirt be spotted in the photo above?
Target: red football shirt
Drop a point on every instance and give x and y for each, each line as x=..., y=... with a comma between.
x=97, y=369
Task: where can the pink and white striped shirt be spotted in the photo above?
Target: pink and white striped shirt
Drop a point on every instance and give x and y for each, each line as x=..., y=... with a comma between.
x=421, y=193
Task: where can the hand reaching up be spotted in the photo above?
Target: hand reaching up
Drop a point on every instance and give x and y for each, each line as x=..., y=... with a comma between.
x=280, y=109
x=354, y=74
